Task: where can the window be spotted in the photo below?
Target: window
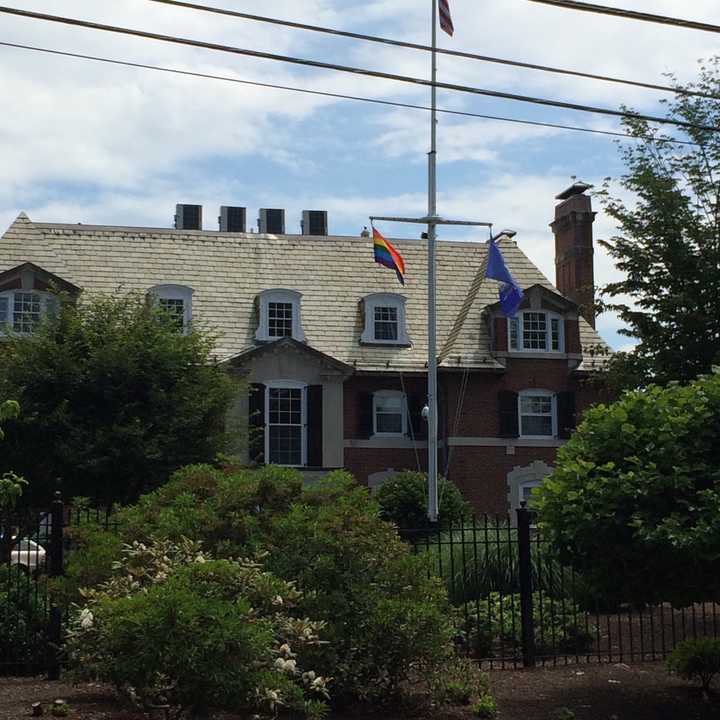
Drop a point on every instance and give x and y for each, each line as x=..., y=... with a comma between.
x=177, y=301
x=536, y=331
x=525, y=492
x=384, y=320
x=537, y=410
x=286, y=419
x=22, y=310
x=279, y=315
x=389, y=413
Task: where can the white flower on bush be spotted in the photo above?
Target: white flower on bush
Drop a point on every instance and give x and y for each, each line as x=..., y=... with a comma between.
x=277, y=600
x=288, y=666
x=86, y=619
x=285, y=651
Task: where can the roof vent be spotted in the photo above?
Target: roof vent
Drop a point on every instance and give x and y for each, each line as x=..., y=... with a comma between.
x=271, y=221
x=314, y=222
x=232, y=219
x=188, y=217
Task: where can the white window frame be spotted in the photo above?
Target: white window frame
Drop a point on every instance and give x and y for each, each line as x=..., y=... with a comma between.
x=518, y=321
x=176, y=292
x=279, y=296
x=521, y=491
x=48, y=303
x=287, y=385
x=553, y=411
x=379, y=395
x=376, y=300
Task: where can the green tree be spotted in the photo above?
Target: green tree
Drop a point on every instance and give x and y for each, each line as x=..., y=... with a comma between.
x=668, y=246
x=114, y=399
x=634, y=500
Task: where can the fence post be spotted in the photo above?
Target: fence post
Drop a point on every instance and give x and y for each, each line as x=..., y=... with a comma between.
x=524, y=517
x=55, y=569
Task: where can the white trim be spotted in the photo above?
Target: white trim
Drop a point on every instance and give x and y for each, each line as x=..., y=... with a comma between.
x=540, y=442
x=48, y=301
x=278, y=295
x=520, y=477
x=378, y=442
x=171, y=291
x=375, y=300
x=290, y=385
x=403, y=413
x=537, y=392
x=533, y=352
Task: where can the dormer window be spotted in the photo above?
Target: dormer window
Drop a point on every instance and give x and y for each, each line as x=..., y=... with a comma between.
x=536, y=331
x=176, y=300
x=22, y=310
x=279, y=315
x=384, y=320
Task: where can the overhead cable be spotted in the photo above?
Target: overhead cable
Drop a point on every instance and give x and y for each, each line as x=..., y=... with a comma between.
x=340, y=96
x=427, y=48
x=353, y=70
x=630, y=14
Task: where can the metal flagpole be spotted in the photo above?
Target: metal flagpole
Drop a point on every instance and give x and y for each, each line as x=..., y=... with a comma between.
x=432, y=331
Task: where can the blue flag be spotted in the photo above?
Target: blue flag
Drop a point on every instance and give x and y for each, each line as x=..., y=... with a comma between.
x=511, y=293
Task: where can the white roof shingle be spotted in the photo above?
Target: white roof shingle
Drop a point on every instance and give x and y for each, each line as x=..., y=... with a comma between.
x=228, y=270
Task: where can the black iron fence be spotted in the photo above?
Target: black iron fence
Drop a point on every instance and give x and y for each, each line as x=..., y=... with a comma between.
x=519, y=606
x=33, y=549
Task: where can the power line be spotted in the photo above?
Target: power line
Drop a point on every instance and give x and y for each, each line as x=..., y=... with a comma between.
x=631, y=14
x=323, y=93
x=426, y=48
x=353, y=70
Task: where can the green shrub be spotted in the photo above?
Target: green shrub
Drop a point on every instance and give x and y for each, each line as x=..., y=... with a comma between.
x=696, y=660
x=175, y=627
x=384, y=616
x=496, y=621
x=23, y=621
x=458, y=682
x=485, y=707
x=403, y=499
x=475, y=562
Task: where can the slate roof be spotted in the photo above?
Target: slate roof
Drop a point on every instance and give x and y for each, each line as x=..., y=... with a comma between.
x=228, y=270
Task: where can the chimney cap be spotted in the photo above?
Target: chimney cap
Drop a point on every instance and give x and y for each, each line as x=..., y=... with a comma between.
x=577, y=188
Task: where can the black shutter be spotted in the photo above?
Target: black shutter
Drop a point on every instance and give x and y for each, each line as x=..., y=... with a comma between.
x=566, y=414
x=314, y=426
x=418, y=423
x=508, y=414
x=256, y=423
x=365, y=414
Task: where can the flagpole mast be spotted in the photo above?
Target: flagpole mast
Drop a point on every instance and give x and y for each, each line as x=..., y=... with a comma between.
x=431, y=235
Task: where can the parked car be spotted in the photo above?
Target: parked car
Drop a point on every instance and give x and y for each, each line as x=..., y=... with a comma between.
x=28, y=555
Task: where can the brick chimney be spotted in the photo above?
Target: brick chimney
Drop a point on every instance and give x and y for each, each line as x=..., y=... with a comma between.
x=574, y=270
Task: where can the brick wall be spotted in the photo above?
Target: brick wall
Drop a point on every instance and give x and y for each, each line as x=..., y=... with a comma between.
x=480, y=471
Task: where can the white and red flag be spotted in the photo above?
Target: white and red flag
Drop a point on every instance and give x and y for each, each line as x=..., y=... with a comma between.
x=446, y=22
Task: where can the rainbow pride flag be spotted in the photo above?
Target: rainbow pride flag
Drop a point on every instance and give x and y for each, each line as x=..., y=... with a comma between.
x=387, y=255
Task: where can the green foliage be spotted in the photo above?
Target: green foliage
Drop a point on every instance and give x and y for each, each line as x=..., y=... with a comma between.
x=403, y=499
x=696, y=660
x=485, y=707
x=668, y=248
x=479, y=560
x=459, y=681
x=175, y=627
x=9, y=409
x=495, y=623
x=11, y=489
x=23, y=621
x=634, y=501
x=384, y=617
x=114, y=398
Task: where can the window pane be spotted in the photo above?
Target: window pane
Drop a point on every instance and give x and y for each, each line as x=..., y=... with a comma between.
x=536, y=404
x=285, y=444
x=534, y=331
x=280, y=319
x=536, y=425
x=555, y=333
x=388, y=422
x=3, y=310
x=176, y=308
x=388, y=403
x=514, y=323
x=26, y=312
x=386, y=323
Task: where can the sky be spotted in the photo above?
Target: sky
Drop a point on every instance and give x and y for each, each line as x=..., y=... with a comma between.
x=100, y=144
